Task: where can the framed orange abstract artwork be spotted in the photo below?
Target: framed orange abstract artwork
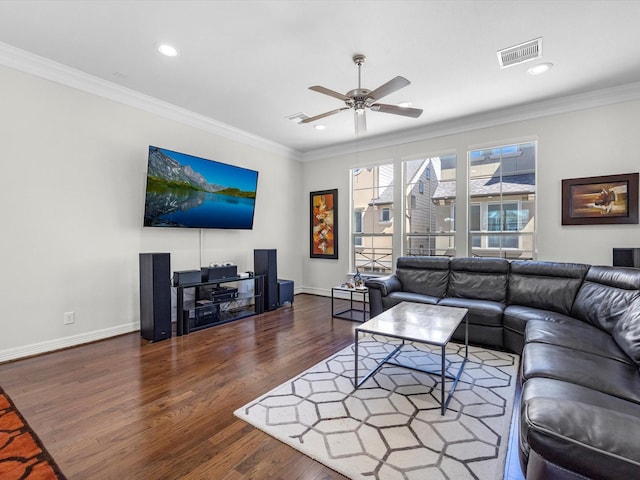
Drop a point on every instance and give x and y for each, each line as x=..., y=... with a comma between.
x=324, y=224
x=600, y=200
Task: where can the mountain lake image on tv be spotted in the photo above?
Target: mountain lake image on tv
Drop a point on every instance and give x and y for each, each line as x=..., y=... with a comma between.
x=193, y=192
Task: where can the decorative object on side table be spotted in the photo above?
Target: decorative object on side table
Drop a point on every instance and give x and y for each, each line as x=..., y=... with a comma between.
x=357, y=279
x=600, y=200
x=324, y=224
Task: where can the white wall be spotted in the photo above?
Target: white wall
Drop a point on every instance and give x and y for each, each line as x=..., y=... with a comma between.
x=72, y=196
x=584, y=143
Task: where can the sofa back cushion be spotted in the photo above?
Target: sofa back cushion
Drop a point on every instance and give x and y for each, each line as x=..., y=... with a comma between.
x=606, y=295
x=426, y=275
x=545, y=285
x=478, y=278
x=626, y=331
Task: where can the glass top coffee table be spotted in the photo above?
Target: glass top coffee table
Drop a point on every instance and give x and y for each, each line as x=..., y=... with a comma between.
x=421, y=323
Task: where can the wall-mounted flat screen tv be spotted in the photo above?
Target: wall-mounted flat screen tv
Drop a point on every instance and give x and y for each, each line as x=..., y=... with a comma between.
x=193, y=192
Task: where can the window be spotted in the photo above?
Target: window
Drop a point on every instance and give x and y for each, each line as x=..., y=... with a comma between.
x=430, y=206
x=373, y=226
x=474, y=223
x=385, y=214
x=502, y=192
x=502, y=217
x=357, y=225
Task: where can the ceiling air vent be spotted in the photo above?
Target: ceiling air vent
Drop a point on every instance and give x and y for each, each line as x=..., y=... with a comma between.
x=517, y=54
x=297, y=117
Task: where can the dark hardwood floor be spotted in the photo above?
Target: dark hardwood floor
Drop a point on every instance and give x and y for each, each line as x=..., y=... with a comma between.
x=124, y=408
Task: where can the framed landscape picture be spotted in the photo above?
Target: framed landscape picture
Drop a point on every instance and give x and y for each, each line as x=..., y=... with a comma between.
x=600, y=200
x=324, y=224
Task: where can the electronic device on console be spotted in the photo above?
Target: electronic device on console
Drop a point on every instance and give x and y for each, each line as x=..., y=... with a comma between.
x=186, y=277
x=219, y=271
x=223, y=294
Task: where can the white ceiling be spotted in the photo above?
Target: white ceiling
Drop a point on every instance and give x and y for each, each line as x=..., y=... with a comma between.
x=249, y=64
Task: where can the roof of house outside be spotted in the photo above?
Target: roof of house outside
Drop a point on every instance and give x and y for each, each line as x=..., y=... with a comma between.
x=524, y=183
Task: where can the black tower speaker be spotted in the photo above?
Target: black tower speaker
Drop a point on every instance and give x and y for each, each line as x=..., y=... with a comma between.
x=265, y=263
x=155, y=296
x=626, y=257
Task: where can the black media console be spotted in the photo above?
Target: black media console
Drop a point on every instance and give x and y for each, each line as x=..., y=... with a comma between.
x=217, y=301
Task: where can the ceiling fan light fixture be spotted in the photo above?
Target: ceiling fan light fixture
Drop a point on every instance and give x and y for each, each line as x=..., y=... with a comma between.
x=360, y=99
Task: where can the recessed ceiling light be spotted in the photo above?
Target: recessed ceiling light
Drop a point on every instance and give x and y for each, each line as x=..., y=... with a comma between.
x=320, y=127
x=404, y=104
x=168, y=50
x=540, y=68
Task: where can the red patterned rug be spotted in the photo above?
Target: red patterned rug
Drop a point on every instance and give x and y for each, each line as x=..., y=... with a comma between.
x=22, y=454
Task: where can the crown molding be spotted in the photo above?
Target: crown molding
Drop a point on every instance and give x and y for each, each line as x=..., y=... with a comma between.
x=56, y=72
x=44, y=68
x=596, y=98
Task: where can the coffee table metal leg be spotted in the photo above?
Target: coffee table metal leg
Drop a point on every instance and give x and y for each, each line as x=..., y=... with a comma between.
x=377, y=367
x=442, y=405
x=464, y=362
x=355, y=378
x=466, y=337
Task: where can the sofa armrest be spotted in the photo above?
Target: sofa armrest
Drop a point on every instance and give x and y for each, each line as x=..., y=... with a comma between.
x=386, y=285
x=593, y=441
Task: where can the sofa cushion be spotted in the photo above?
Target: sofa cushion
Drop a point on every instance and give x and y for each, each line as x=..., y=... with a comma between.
x=606, y=295
x=545, y=285
x=565, y=391
x=626, y=332
x=593, y=439
x=577, y=335
x=425, y=275
x=395, y=298
x=481, y=312
x=479, y=278
x=516, y=317
x=592, y=371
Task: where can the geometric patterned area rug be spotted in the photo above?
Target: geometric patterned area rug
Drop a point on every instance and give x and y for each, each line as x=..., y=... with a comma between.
x=391, y=427
x=22, y=455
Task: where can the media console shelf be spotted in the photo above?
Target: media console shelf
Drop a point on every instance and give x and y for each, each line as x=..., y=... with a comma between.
x=216, y=302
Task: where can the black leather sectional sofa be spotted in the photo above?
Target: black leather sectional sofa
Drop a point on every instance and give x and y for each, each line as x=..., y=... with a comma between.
x=577, y=328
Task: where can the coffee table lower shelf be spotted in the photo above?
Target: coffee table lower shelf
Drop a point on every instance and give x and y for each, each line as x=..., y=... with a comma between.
x=444, y=402
x=392, y=323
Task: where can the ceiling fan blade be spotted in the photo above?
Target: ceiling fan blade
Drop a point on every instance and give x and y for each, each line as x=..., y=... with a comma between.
x=389, y=87
x=322, y=115
x=331, y=93
x=361, y=122
x=396, y=110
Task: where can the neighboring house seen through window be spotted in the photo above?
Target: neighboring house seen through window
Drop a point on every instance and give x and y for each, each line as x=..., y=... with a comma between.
x=502, y=189
x=430, y=198
x=373, y=226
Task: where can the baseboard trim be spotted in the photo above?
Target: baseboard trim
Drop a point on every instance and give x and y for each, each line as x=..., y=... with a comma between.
x=323, y=292
x=75, y=340
x=65, y=342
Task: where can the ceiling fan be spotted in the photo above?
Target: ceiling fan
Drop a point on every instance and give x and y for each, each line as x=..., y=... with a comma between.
x=360, y=99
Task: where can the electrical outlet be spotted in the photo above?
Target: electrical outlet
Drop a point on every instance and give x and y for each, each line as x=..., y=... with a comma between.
x=69, y=318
